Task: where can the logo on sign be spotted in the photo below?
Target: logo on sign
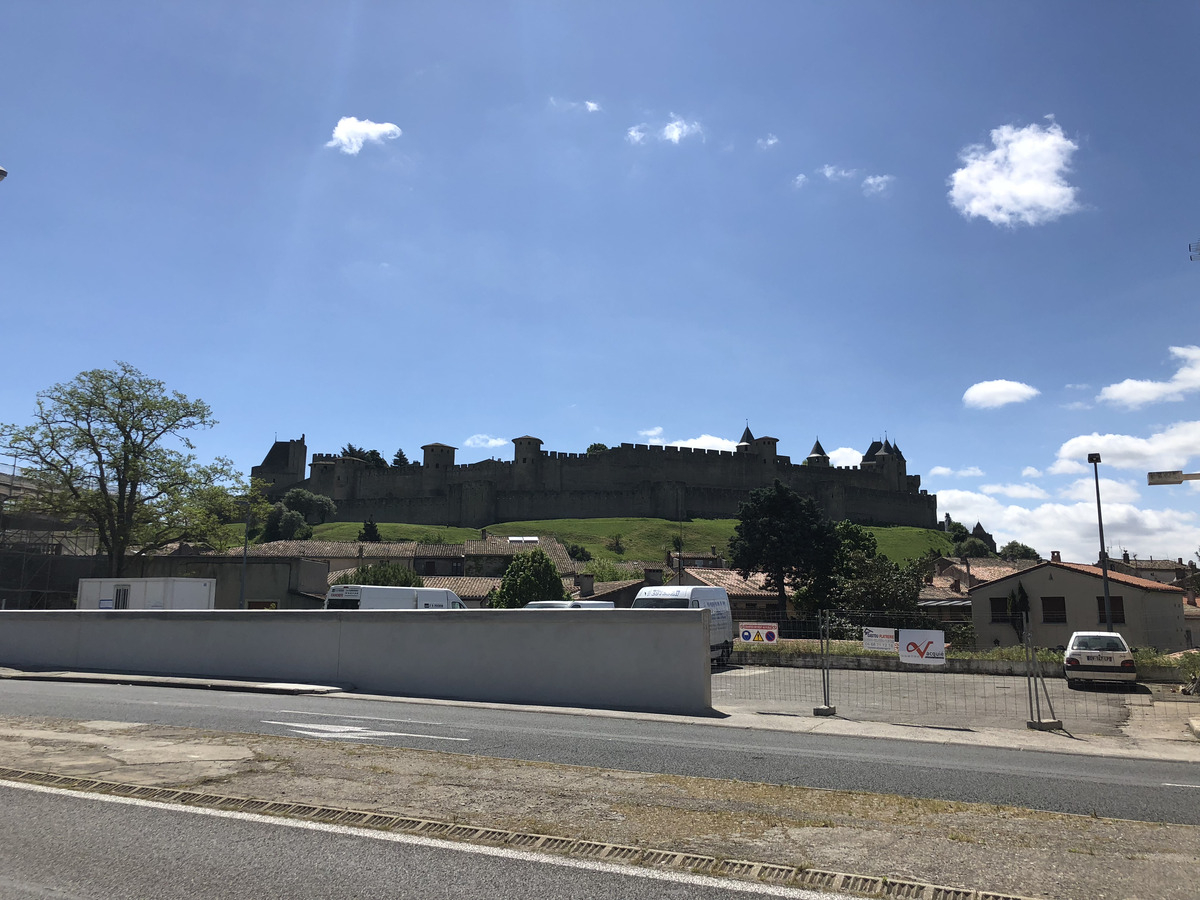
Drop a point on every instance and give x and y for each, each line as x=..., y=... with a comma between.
x=923, y=647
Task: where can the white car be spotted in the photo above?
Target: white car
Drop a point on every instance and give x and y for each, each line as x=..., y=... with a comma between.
x=1098, y=656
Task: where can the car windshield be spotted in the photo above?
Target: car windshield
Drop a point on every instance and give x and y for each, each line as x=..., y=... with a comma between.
x=1104, y=642
x=660, y=603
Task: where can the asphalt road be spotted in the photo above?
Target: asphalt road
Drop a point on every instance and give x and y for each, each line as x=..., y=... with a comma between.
x=1146, y=790
x=78, y=847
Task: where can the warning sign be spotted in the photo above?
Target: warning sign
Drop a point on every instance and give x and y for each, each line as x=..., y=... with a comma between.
x=762, y=632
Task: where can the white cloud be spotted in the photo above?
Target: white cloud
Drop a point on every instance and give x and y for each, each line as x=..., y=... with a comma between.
x=991, y=394
x=653, y=435
x=706, y=442
x=586, y=105
x=678, y=129
x=591, y=106
x=876, y=184
x=1018, y=182
x=1066, y=467
x=1077, y=405
x=1083, y=489
x=1072, y=529
x=1170, y=448
x=485, y=441
x=1133, y=393
x=1016, y=491
x=769, y=141
x=636, y=134
x=845, y=456
x=947, y=472
x=350, y=134
x=1030, y=472
x=799, y=180
x=833, y=173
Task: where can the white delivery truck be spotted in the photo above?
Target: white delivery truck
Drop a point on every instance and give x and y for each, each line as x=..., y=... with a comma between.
x=714, y=599
x=374, y=596
x=146, y=593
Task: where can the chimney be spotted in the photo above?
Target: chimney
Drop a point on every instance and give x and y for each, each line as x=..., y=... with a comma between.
x=955, y=586
x=652, y=576
x=1055, y=556
x=587, y=584
x=1125, y=556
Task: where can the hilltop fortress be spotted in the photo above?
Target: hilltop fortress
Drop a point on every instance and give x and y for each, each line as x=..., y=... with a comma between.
x=639, y=480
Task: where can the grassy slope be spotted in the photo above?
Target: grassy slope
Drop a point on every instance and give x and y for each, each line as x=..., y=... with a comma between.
x=647, y=540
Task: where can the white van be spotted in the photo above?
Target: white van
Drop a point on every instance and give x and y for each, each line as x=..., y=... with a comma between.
x=570, y=604
x=714, y=599
x=374, y=596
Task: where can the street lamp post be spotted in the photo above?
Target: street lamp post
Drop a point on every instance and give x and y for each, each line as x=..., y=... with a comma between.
x=1094, y=459
x=245, y=545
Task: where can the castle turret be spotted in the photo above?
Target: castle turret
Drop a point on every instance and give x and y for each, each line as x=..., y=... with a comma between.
x=282, y=467
x=747, y=441
x=817, y=456
x=439, y=460
x=527, y=462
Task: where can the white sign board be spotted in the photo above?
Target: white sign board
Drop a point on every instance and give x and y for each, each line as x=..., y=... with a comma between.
x=925, y=648
x=763, y=632
x=879, y=639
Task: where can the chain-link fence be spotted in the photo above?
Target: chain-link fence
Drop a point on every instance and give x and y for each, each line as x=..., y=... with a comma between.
x=905, y=669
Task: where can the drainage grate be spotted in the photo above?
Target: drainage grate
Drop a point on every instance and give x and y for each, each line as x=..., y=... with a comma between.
x=814, y=878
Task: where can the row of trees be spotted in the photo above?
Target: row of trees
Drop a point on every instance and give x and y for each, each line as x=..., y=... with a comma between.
x=374, y=458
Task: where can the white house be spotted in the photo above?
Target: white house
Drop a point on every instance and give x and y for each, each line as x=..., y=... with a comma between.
x=1067, y=597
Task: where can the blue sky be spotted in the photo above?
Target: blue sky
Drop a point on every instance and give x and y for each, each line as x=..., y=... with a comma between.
x=963, y=227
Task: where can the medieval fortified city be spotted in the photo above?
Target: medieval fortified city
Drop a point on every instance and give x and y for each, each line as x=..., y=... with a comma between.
x=637, y=480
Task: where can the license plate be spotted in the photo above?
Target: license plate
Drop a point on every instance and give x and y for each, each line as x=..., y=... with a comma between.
x=1100, y=657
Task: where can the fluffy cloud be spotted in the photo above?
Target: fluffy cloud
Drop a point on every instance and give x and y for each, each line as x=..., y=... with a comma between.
x=350, y=134
x=1133, y=393
x=845, y=456
x=1170, y=448
x=1016, y=491
x=833, y=173
x=990, y=394
x=1082, y=490
x=677, y=129
x=636, y=134
x=947, y=472
x=798, y=181
x=1072, y=529
x=1020, y=181
x=485, y=441
x=769, y=141
x=1030, y=472
x=585, y=105
x=876, y=184
x=654, y=436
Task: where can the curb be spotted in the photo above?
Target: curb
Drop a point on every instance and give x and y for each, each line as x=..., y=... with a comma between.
x=772, y=873
x=212, y=684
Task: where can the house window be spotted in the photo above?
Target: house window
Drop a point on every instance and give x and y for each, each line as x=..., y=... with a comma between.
x=1054, y=610
x=1000, y=610
x=1118, y=610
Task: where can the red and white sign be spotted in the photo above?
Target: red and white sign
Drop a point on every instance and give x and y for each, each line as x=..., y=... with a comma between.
x=925, y=648
x=760, y=632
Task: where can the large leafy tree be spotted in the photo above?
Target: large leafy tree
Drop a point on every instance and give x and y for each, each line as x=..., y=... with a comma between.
x=787, y=538
x=1016, y=550
x=110, y=450
x=865, y=581
x=530, y=576
x=310, y=505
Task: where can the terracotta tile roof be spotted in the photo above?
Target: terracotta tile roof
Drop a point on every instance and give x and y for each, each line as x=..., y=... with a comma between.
x=1145, y=584
x=1150, y=565
x=735, y=585
x=604, y=587
x=439, y=551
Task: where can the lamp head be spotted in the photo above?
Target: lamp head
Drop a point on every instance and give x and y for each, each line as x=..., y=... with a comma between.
x=1093, y=457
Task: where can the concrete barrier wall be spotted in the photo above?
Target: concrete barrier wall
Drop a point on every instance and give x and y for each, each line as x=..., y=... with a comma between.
x=652, y=660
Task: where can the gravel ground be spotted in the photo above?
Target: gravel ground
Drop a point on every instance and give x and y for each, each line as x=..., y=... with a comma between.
x=972, y=846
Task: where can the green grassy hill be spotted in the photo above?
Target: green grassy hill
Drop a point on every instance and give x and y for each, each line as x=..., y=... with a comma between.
x=646, y=540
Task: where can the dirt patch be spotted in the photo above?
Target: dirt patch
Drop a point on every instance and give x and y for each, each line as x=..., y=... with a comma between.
x=966, y=845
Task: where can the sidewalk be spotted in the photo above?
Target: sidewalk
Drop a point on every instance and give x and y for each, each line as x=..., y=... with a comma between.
x=845, y=840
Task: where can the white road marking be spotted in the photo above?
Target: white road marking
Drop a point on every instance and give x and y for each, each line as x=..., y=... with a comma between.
x=627, y=871
x=305, y=712
x=1169, y=784
x=352, y=732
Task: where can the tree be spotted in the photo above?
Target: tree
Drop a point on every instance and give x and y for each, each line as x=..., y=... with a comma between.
x=596, y=449
x=1018, y=610
x=579, y=553
x=1016, y=550
x=530, y=576
x=110, y=449
x=283, y=524
x=399, y=459
x=788, y=539
x=372, y=458
x=957, y=531
x=614, y=543
x=972, y=547
x=369, y=533
x=388, y=573
x=309, y=505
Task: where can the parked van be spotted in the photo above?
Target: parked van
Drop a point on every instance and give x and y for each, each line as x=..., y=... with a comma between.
x=374, y=596
x=714, y=599
x=570, y=604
